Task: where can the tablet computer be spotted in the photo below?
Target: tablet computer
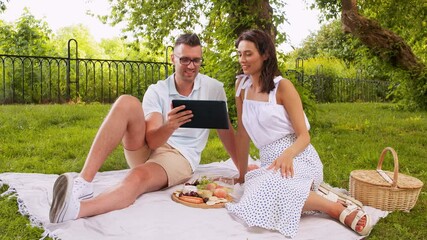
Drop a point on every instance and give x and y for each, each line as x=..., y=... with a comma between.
x=207, y=113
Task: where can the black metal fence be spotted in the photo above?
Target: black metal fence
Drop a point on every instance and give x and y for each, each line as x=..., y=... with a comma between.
x=35, y=79
x=325, y=88
x=328, y=89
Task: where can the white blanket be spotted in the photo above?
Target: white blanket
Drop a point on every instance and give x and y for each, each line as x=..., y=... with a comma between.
x=156, y=216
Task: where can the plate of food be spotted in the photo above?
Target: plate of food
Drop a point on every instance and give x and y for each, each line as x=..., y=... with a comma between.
x=205, y=192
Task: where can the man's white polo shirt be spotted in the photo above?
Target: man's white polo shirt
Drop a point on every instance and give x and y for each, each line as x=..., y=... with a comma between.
x=190, y=142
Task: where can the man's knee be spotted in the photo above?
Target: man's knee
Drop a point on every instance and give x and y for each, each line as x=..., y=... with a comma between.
x=147, y=177
x=127, y=104
x=137, y=178
x=127, y=99
x=132, y=187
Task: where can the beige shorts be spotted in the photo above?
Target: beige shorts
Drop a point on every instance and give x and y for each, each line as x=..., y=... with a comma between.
x=177, y=168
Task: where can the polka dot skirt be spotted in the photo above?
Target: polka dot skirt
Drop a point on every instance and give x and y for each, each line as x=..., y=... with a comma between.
x=273, y=202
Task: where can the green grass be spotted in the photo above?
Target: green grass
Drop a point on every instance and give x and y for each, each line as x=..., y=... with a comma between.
x=56, y=138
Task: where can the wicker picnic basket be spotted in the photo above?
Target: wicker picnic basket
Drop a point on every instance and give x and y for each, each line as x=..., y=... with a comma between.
x=385, y=190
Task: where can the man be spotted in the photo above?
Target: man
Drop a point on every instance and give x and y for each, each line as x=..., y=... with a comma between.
x=159, y=153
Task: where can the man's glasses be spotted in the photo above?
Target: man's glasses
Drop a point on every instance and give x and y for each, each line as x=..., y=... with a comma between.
x=187, y=60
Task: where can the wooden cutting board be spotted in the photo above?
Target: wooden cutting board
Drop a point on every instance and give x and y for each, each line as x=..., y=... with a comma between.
x=199, y=205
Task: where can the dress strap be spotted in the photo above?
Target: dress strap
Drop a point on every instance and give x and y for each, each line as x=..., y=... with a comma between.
x=245, y=81
x=272, y=94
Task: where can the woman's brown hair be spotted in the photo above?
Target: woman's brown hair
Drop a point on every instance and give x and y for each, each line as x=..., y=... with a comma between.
x=265, y=46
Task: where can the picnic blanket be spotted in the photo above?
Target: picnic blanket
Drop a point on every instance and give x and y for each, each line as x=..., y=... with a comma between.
x=156, y=216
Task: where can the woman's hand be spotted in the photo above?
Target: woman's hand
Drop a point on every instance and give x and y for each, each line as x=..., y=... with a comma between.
x=252, y=167
x=239, y=180
x=285, y=164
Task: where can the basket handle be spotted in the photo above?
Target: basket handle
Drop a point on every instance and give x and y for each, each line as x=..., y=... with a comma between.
x=396, y=166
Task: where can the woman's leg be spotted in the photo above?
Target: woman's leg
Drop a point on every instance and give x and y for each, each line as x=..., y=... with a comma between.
x=315, y=202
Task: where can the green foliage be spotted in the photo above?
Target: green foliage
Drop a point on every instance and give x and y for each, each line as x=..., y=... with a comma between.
x=121, y=49
x=3, y=5
x=41, y=80
x=308, y=100
x=332, y=49
x=331, y=9
x=28, y=36
x=406, y=19
x=224, y=67
x=218, y=23
x=330, y=66
x=307, y=97
x=330, y=41
x=155, y=24
x=33, y=37
x=86, y=44
x=412, y=93
x=315, y=71
x=330, y=79
x=158, y=22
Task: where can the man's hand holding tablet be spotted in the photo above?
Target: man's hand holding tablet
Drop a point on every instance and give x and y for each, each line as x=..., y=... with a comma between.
x=206, y=113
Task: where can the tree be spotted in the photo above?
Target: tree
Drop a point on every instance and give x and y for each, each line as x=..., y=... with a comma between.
x=28, y=36
x=3, y=5
x=330, y=41
x=87, y=46
x=384, y=43
x=389, y=46
x=217, y=22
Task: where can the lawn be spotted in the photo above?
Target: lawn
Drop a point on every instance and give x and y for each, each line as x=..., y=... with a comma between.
x=56, y=138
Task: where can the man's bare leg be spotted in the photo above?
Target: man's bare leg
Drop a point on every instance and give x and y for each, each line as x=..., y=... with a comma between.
x=144, y=178
x=125, y=122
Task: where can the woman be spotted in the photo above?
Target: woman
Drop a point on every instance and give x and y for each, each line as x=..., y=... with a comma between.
x=270, y=114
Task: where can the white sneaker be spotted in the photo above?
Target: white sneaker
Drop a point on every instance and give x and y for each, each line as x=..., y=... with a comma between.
x=82, y=189
x=66, y=203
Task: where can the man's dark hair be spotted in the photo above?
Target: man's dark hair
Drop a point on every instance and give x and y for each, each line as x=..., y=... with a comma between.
x=190, y=39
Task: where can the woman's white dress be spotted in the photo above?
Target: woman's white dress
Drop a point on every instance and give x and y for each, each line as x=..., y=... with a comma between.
x=269, y=200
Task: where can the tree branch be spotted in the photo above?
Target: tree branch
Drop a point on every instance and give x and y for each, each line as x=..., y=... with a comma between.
x=386, y=44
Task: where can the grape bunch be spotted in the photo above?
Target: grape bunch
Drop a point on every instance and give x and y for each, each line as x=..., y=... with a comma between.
x=200, y=183
x=203, y=182
x=191, y=194
x=195, y=183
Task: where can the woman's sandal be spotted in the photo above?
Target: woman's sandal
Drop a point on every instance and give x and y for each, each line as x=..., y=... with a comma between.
x=335, y=195
x=360, y=214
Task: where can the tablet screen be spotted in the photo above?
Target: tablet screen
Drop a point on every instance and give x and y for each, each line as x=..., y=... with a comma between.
x=207, y=113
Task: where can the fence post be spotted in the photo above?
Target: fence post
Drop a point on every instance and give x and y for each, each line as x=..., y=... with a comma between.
x=167, y=60
x=297, y=66
x=68, y=71
x=320, y=88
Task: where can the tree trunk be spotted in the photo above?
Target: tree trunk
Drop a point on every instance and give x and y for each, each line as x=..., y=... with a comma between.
x=263, y=15
x=390, y=47
x=386, y=44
